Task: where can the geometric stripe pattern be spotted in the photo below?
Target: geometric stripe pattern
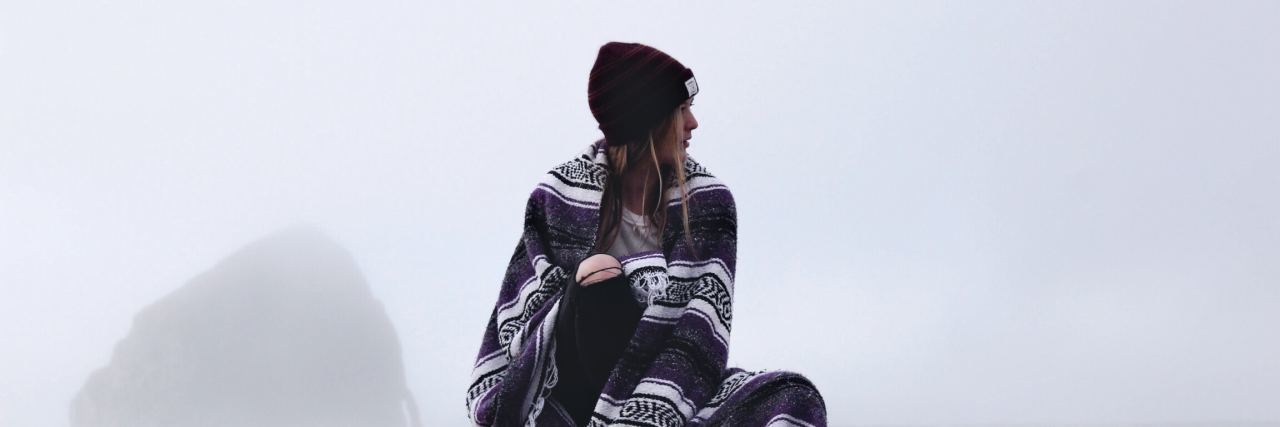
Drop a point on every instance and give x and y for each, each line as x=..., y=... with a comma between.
x=673, y=372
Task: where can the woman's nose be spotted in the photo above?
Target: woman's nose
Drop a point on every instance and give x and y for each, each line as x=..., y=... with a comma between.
x=692, y=123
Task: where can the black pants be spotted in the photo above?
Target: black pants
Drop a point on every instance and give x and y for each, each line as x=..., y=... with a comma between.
x=593, y=327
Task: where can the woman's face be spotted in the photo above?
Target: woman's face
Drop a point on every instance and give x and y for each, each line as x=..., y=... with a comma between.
x=690, y=123
x=686, y=133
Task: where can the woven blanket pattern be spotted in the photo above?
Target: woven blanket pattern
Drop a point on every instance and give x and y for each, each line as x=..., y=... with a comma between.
x=673, y=372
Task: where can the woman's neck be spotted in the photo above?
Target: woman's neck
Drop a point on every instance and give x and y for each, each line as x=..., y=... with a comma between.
x=638, y=191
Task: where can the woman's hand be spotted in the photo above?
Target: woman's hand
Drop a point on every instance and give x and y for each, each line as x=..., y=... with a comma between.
x=598, y=268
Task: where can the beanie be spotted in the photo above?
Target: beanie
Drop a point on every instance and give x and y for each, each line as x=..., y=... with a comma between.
x=633, y=87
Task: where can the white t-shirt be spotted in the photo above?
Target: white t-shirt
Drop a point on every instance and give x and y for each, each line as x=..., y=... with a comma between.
x=635, y=234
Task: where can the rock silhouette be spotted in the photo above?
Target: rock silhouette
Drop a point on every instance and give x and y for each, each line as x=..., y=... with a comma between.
x=284, y=332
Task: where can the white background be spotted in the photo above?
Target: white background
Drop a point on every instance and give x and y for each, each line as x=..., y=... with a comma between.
x=1064, y=212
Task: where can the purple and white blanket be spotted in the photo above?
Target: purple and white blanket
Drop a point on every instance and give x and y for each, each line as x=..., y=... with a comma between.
x=673, y=372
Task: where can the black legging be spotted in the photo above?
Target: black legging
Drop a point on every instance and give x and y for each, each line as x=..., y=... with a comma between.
x=593, y=327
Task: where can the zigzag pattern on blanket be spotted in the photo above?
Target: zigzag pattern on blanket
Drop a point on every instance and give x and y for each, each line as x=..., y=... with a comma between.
x=673, y=371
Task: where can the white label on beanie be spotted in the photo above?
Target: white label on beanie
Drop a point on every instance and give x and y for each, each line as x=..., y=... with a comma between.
x=691, y=85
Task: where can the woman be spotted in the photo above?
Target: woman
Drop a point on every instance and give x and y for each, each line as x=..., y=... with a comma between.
x=616, y=305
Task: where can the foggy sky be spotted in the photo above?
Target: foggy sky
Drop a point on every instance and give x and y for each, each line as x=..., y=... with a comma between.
x=1000, y=212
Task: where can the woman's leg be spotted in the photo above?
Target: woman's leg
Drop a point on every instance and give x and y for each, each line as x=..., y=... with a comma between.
x=581, y=330
x=598, y=268
x=606, y=317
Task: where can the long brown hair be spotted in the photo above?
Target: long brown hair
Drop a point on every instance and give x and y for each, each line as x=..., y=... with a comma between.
x=625, y=159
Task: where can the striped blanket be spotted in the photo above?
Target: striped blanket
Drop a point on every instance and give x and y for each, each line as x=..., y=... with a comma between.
x=673, y=372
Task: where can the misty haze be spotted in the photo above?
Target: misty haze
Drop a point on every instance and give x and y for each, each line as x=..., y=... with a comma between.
x=949, y=214
x=281, y=333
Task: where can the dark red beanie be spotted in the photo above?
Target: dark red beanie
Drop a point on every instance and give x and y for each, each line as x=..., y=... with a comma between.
x=633, y=87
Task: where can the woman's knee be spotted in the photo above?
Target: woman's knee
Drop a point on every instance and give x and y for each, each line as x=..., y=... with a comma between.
x=597, y=268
